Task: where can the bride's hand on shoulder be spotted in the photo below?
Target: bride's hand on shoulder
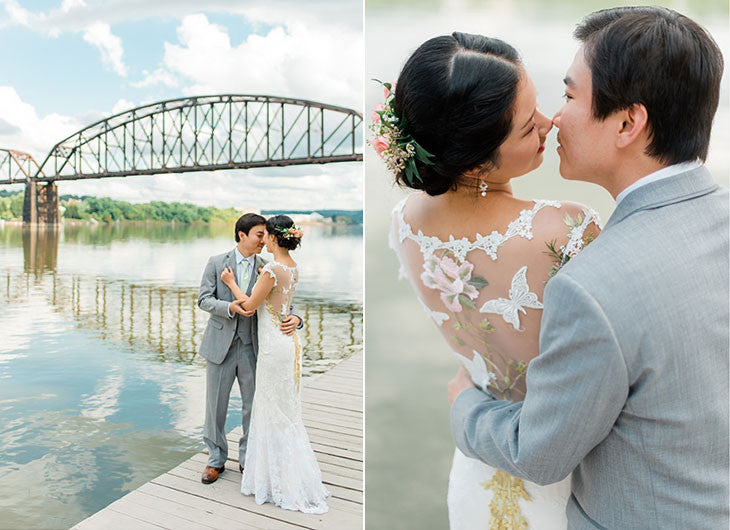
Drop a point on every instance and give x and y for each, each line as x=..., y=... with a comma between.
x=227, y=276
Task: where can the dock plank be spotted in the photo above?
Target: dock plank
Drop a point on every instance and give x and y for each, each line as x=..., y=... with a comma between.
x=331, y=474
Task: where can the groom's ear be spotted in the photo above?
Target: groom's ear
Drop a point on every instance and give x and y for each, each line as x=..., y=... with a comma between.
x=632, y=125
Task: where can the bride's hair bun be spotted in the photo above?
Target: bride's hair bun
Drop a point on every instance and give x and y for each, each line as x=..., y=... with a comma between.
x=456, y=93
x=279, y=225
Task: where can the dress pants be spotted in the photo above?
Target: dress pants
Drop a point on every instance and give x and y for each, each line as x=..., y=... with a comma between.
x=240, y=362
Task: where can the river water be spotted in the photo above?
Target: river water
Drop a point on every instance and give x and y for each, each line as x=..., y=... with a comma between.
x=101, y=389
x=408, y=364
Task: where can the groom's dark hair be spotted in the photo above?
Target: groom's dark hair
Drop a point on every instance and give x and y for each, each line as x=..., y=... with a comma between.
x=247, y=221
x=661, y=59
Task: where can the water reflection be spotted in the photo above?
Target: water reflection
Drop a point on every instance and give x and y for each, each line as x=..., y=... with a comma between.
x=162, y=320
x=101, y=389
x=40, y=248
x=165, y=322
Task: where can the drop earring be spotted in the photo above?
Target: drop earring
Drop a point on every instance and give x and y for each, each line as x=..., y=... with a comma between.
x=483, y=187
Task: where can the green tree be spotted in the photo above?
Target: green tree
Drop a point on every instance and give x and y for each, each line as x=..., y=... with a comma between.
x=16, y=205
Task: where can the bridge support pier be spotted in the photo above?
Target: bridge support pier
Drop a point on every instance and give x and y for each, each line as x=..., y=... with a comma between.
x=41, y=203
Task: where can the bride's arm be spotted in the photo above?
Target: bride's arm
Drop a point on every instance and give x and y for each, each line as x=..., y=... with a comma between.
x=262, y=288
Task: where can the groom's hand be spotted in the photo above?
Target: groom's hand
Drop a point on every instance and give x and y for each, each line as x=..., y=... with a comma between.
x=289, y=324
x=235, y=307
x=459, y=383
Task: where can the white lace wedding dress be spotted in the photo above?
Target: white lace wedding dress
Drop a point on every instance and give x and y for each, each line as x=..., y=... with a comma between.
x=280, y=465
x=484, y=292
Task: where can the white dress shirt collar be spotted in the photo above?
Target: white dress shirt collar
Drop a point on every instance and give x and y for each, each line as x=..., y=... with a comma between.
x=663, y=173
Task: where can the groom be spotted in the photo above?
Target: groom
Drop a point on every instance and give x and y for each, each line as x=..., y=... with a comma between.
x=230, y=343
x=630, y=390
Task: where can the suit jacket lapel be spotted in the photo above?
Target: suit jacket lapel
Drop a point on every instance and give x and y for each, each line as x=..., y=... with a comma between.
x=231, y=262
x=681, y=187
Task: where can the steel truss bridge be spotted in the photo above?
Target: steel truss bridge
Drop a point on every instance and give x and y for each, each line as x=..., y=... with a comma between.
x=202, y=133
x=16, y=166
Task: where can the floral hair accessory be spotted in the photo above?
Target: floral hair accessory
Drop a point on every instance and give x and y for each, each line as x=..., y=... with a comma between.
x=289, y=233
x=398, y=149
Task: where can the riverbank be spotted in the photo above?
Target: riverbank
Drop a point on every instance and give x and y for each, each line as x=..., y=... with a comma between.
x=91, y=209
x=93, y=222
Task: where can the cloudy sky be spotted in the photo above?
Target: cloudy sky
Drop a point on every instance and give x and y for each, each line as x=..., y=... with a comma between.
x=68, y=63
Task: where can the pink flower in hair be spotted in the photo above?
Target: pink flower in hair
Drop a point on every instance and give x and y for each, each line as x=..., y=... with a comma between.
x=375, y=118
x=380, y=144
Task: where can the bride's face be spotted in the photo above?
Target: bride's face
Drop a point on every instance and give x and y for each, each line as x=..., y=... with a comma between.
x=521, y=152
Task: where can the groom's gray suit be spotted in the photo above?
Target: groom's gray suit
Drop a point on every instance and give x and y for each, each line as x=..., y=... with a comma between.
x=230, y=347
x=630, y=390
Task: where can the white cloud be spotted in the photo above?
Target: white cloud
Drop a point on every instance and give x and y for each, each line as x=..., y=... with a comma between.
x=100, y=35
x=68, y=5
x=76, y=15
x=312, y=61
x=325, y=186
x=32, y=133
x=160, y=76
x=327, y=12
x=8, y=129
x=17, y=14
x=121, y=105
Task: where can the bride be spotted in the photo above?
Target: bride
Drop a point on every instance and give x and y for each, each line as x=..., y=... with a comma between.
x=462, y=122
x=280, y=466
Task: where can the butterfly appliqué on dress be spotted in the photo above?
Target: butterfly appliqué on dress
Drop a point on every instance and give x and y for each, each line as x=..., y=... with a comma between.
x=519, y=298
x=477, y=369
x=437, y=316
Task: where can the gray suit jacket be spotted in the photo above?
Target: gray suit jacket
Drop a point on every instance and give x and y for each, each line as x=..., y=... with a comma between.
x=214, y=297
x=630, y=390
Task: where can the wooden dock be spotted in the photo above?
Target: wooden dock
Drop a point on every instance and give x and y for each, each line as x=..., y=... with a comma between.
x=332, y=409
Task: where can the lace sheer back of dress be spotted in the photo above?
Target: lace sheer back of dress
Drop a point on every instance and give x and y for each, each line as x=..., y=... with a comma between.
x=279, y=299
x=485, y=292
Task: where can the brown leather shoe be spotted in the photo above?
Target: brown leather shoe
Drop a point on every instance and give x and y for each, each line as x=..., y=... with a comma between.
x=210, y=474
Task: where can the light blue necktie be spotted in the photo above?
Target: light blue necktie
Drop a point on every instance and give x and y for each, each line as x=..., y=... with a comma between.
x=245, y=274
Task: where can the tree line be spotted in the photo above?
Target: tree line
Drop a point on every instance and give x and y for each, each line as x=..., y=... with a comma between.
x=106, y=210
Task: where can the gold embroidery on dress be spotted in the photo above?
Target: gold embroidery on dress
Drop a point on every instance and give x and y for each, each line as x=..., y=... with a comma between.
x=297, y=362
x=504, y=508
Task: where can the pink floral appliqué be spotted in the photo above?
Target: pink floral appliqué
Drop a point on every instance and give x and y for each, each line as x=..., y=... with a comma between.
x=452, y=279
